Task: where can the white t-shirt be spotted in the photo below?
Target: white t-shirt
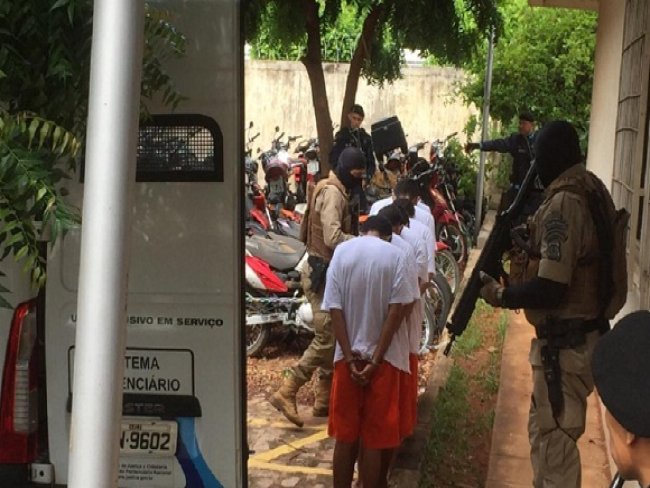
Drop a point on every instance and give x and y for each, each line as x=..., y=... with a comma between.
x=424, y=233
x=367, y=274
x=424, y=216
x=421, y=252
x=424, y=206
x=411, y=264
x=413, y=325
x=379, y=204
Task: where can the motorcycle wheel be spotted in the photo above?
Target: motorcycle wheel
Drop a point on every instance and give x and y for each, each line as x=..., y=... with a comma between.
x=451, y=235
x=469, y=226
x=447, y=267
x=257, y=336
x=437, y=304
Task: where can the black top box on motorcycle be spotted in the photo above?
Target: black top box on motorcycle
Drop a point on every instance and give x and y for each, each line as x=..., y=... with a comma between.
x=387, y=135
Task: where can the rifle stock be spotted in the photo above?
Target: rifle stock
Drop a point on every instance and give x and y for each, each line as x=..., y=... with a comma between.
x=489, y=260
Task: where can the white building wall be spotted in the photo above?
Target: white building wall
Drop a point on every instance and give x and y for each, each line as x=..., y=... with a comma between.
x=604, y=99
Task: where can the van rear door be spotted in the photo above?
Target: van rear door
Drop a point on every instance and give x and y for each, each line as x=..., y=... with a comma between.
x=183, y=422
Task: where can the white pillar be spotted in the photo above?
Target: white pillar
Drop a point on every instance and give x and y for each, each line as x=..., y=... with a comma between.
x=116, y=66
x=604, y=97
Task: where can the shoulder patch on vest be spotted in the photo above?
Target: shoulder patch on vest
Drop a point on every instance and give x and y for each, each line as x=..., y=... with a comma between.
x=555, y=233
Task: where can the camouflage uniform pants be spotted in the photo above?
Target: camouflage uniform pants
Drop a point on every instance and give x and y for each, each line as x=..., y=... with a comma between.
x=554, y=451
x=320, y=353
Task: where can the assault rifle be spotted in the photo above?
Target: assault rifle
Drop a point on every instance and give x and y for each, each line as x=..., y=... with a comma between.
x=490, y=260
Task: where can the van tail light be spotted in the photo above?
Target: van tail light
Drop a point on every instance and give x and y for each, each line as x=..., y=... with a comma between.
x=19, y=394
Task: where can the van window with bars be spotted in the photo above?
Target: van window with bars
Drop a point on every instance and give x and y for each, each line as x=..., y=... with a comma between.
x=185, y=147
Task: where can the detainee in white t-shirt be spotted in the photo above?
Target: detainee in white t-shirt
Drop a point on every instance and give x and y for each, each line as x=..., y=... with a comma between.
x=365, y=292
x=410, y=189
x=423, y=232
x=409, y=385
x=406, y=188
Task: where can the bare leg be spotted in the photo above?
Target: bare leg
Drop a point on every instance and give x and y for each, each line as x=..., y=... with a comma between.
x=387, y=459
x=370, y=468
x=345, y=454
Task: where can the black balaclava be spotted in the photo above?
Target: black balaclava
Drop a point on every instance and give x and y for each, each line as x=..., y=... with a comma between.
x=350, y=158
x=557, y=148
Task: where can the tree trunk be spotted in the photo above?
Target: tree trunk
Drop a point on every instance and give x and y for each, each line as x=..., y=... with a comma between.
x=314, y=64
x=361, y=54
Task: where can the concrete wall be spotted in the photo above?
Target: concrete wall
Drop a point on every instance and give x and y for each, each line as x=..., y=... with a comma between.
x=278, y=93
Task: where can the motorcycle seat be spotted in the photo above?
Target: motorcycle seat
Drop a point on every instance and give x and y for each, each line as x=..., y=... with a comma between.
x=281, y=252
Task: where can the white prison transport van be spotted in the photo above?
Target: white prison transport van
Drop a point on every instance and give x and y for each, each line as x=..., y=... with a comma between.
x=183, y=389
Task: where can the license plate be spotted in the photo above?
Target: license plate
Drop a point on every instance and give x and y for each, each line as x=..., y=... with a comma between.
x=148, y=438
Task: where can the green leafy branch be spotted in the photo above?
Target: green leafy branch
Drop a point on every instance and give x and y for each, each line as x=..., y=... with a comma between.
x=35, y=155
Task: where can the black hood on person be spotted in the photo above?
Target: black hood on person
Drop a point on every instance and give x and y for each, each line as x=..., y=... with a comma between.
x=350, y=158
x=557, y=148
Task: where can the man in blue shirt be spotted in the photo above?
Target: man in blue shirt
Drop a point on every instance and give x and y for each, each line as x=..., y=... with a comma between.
x=520, y=146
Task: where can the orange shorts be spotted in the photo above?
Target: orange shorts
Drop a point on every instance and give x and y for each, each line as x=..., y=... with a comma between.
x=414, y=362
x=368, y=413
x=408, y=393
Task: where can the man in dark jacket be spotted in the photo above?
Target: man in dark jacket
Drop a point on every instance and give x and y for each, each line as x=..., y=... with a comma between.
x=520, y=146
x=356, y=136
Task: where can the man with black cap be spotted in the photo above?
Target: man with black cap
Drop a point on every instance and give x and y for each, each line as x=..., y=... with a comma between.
x=354, y=136
x=621, y=367
x=329, y=221
x=520, y=145
x=561, y=295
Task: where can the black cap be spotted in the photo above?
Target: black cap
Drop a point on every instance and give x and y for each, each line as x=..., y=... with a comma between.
x=621, y=369
x=527, y=116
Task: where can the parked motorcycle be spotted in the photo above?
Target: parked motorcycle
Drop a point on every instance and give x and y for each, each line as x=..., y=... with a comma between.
x=435, y=193
x=450, y=178
x=273, y=292
x=306, y=168
x=447, y=266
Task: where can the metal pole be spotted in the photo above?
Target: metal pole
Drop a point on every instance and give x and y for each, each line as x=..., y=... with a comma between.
x=480, y=177
x=116, y=65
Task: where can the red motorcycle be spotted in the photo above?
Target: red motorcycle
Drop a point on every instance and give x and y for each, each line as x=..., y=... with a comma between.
x=435, y=193
x=305, y=168
x=273, y=292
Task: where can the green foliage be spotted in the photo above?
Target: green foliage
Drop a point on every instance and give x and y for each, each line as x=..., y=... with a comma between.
x=448, y=29
x=472, y=338
x=44, y=72
x=451, y=406
x=33, y=155
x=45, y=56
x=467, y=166
x=543, y=62
x=279, y=33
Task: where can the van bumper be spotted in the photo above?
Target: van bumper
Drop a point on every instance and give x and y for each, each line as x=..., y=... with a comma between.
x=14, y=475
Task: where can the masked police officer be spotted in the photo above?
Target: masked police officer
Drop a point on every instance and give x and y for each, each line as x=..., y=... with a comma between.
x=560, y=294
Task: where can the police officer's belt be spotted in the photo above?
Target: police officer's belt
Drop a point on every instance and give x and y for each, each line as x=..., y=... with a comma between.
x=570, y=333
